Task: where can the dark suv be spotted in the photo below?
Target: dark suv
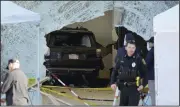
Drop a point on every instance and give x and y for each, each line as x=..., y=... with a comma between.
x=73, y=50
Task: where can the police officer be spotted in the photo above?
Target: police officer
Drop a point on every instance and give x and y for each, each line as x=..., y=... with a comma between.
x=150, y=67
x=124, y=74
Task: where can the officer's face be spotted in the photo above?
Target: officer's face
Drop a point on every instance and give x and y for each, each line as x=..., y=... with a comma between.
x=130, y=48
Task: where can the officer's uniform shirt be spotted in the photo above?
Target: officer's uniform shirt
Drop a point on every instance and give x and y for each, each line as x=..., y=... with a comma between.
x=128, y=64
x=150, y=64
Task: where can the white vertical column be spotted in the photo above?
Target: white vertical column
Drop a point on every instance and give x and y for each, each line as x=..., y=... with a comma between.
x=38, y=68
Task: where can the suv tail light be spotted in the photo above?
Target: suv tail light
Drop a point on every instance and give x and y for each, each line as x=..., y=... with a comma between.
x=98, y=52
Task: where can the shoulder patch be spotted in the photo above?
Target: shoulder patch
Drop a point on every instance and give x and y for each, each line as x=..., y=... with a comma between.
x=143, y=61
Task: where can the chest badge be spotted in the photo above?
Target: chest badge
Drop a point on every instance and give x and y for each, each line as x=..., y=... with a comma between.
x=133, y=64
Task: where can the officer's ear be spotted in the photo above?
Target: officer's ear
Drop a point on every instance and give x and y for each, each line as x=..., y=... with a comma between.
x=126, y=47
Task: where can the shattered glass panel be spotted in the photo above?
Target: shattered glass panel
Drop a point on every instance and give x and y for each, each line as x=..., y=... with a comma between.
x=138, y=18
x=56, y=14
x=20, y=41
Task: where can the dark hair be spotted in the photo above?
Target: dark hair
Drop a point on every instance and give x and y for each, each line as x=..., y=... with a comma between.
x=131, y=42
x=10, y=61
x=129, y=36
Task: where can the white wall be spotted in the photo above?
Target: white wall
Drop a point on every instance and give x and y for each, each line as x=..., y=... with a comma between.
x=101, y=27
x=167, y=68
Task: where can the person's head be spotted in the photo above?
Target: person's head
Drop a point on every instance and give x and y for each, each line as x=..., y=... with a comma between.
x=128, y=37
x=130, y=47
x=151, y=42
x=13, y=64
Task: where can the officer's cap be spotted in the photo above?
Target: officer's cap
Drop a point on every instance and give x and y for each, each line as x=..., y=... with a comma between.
x=129, y=36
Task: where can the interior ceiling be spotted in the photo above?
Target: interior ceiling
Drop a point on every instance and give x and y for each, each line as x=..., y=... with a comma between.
x=137, y=17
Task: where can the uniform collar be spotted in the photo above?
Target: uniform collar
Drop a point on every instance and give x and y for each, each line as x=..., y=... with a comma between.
x=130, y=57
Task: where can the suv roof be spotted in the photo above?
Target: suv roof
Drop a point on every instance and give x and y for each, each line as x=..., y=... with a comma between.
x=72, y=30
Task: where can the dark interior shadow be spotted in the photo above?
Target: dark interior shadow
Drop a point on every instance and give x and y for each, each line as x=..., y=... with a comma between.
x=140, y=42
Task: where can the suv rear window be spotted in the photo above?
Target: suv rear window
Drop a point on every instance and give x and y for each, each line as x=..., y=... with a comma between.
x=71, y=39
